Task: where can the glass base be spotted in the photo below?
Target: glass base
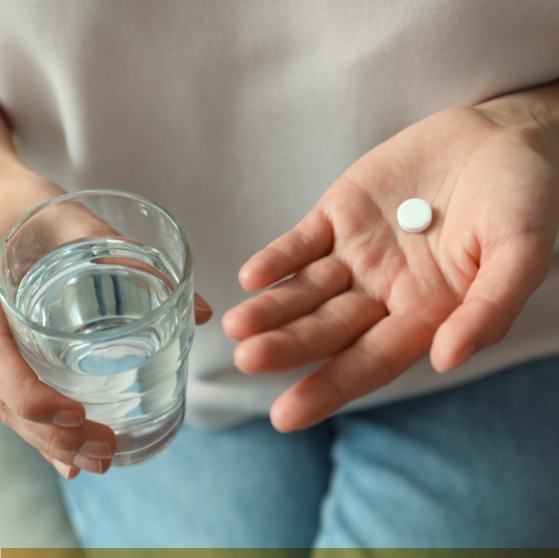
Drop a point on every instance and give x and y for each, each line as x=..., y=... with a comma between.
x=139, y=442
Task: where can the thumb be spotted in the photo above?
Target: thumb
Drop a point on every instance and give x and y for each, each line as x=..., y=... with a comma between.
x=502, y=286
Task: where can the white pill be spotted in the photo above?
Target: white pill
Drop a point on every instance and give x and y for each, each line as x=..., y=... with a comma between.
x=414, y=215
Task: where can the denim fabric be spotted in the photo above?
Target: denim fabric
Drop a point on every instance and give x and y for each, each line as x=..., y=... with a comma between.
x=475, y=466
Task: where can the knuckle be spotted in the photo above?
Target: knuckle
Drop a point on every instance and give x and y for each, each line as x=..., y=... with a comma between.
x=28, y=409
x=52, y=443
x=32, y=402
x=61, y=440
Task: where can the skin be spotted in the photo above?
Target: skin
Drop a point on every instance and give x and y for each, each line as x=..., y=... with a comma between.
x=368, y=299
x=355, y=291
x=49, y=421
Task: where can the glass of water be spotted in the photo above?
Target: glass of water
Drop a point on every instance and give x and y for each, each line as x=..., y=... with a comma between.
x=97, y=289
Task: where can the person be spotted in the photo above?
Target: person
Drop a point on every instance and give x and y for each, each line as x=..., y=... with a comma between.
x=410, y=378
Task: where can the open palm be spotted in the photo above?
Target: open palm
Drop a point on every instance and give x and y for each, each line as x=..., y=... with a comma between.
x=368, y=299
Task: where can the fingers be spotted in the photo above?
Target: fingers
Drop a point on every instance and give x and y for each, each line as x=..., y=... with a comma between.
x=501, y=288
x=26, y=395
x=378, y=357
x=66, y=471
x=310, y=240
x=296, y=297
x=46, y=419
x=89, y=447
x=322, y=334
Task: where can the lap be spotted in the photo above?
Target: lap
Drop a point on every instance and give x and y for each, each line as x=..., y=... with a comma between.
x=248, y=486
x=474, y=466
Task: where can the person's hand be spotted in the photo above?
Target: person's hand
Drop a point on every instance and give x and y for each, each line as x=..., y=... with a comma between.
x=54, y=424
x=369, y=299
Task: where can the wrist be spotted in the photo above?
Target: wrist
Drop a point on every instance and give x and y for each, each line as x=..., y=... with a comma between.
x=21, y=190
x=532, y=111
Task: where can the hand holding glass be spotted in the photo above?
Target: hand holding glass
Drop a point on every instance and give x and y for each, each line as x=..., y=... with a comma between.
x=97, y=289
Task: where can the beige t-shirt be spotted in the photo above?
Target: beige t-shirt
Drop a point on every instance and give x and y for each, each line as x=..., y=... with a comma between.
x=237, y=115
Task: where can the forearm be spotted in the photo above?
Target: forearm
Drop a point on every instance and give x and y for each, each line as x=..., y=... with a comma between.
x=21, y=189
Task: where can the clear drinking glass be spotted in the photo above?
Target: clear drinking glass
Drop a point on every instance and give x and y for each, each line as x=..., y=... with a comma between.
x=97, y=289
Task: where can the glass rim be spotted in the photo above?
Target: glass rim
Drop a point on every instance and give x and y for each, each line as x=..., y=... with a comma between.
x=154, y=315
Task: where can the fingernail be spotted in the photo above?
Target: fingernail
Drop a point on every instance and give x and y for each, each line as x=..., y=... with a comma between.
x=88, y=463
x=68, y=419
x=201, y=305
x=62, y=468
x=99, y=450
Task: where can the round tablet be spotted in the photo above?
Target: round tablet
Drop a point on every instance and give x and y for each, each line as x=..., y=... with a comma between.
x=414, y=215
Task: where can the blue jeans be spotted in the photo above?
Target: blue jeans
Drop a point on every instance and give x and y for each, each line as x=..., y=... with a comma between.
x=475, y=466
